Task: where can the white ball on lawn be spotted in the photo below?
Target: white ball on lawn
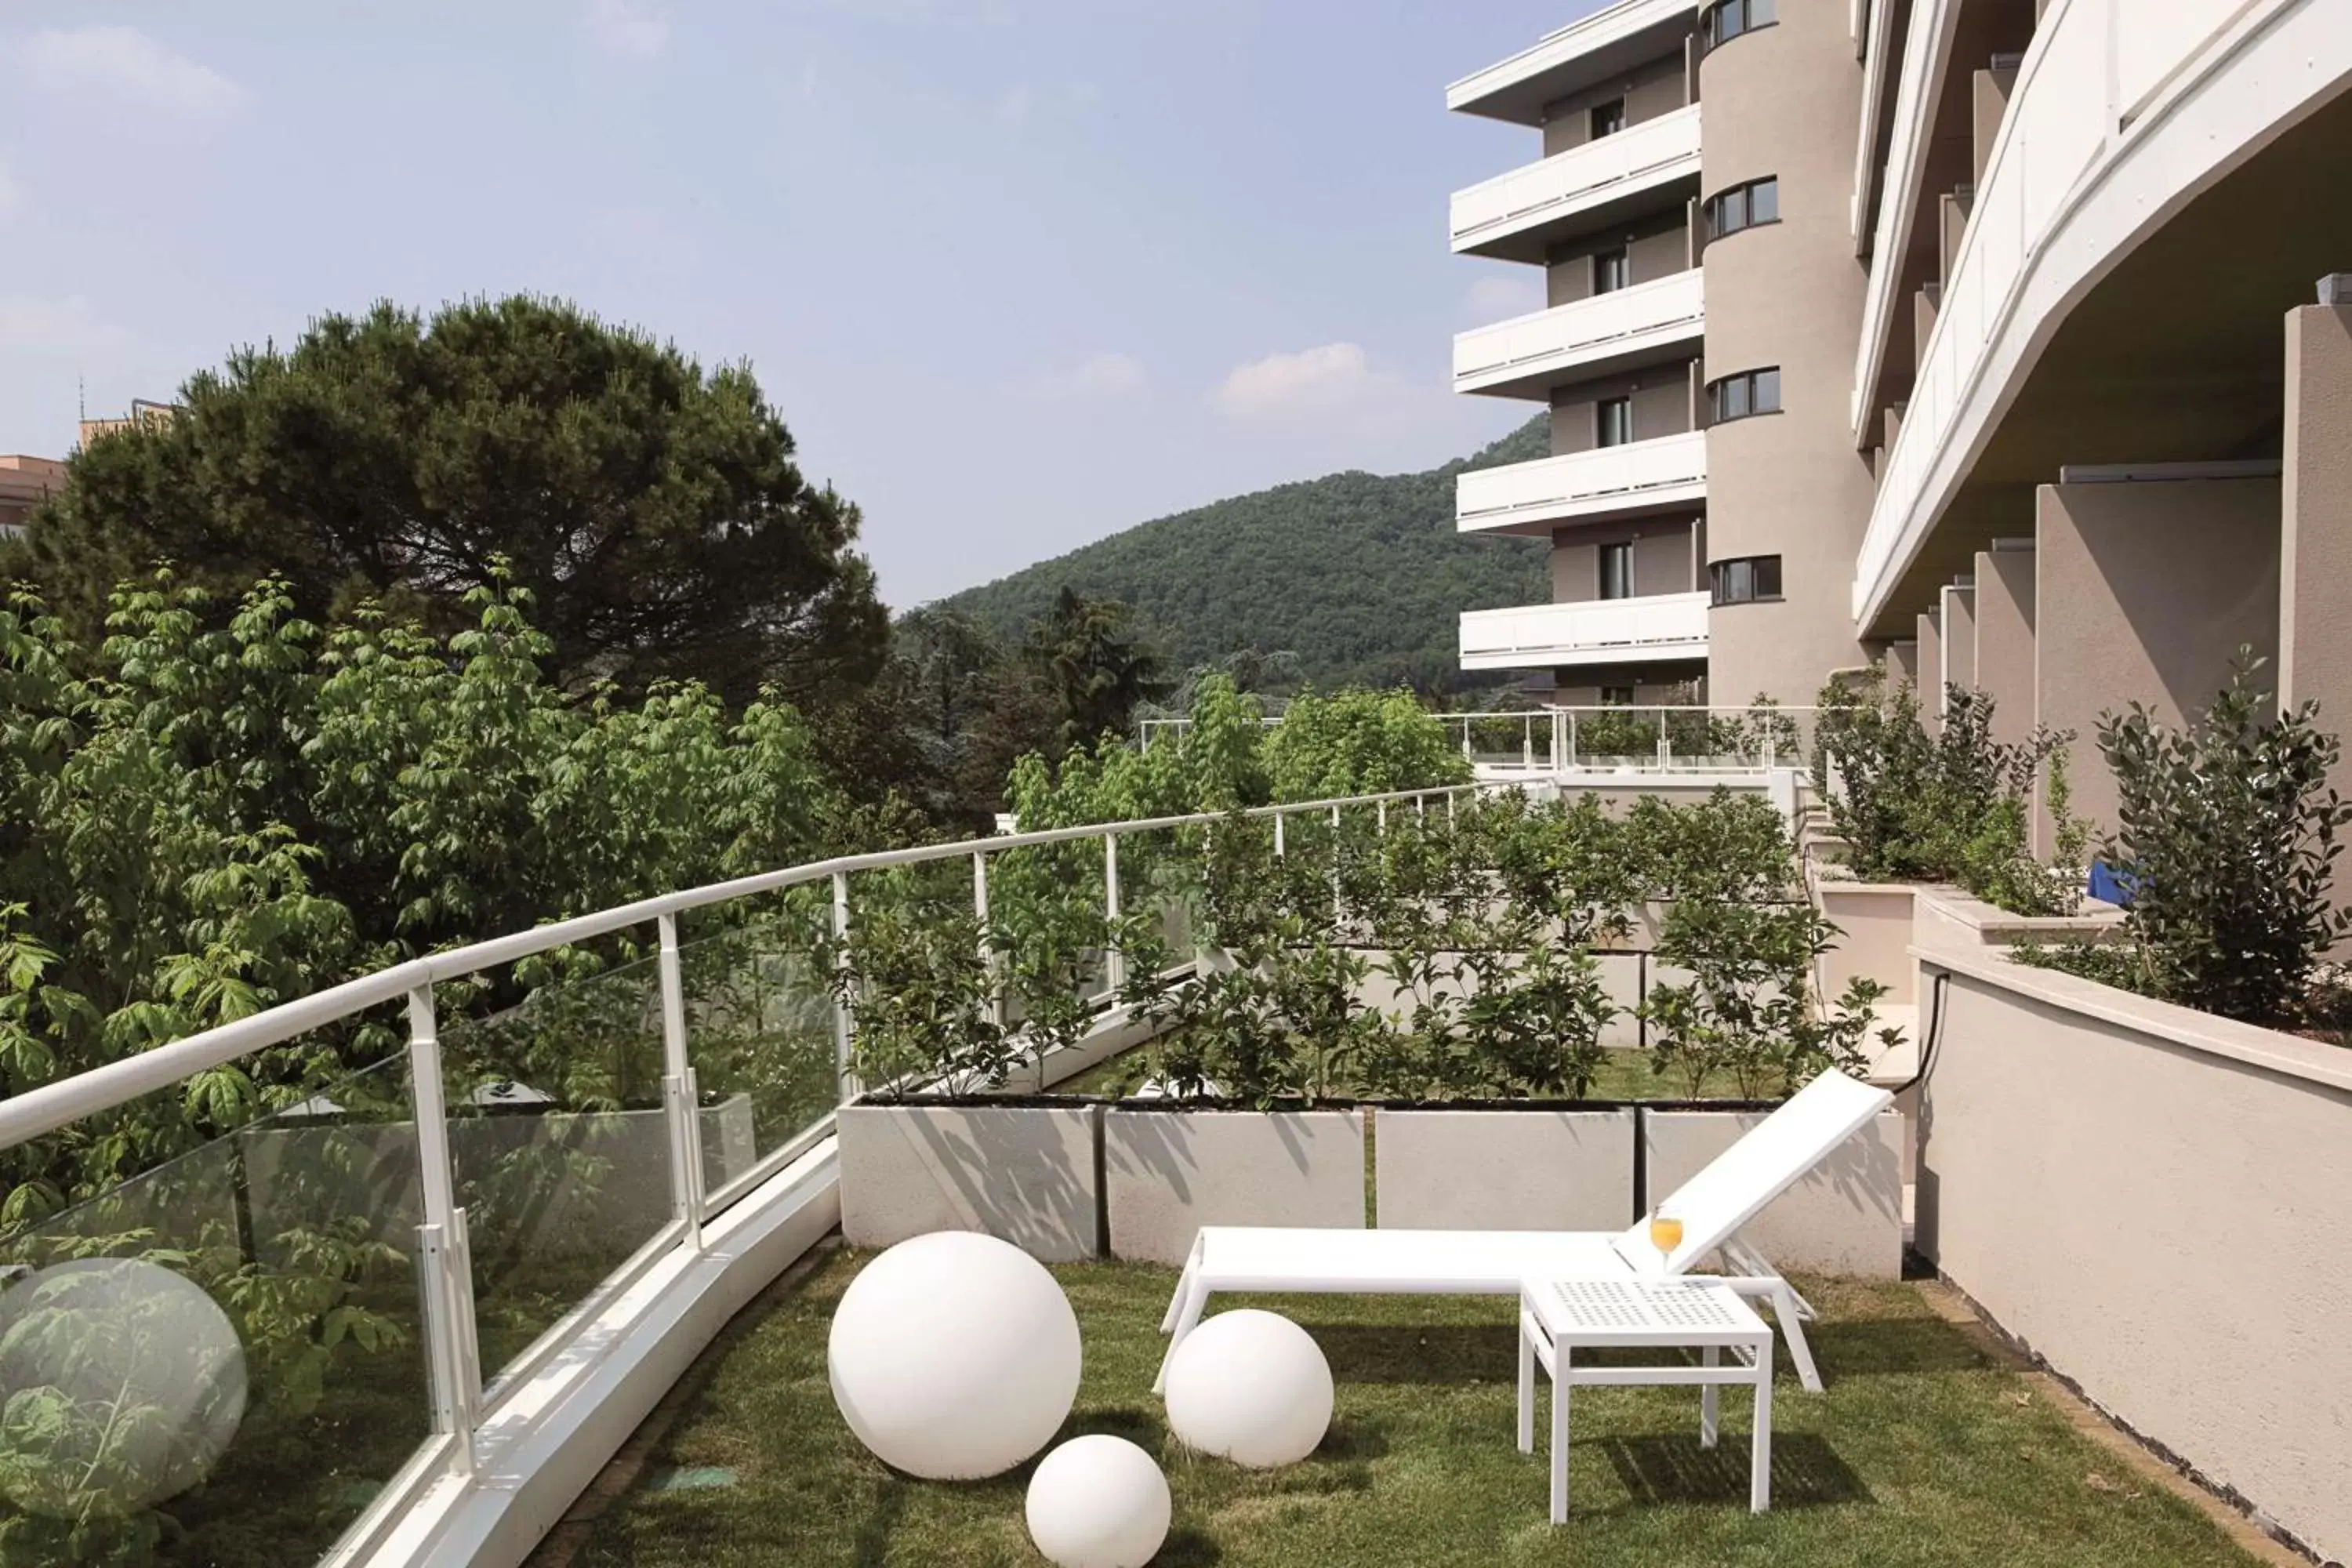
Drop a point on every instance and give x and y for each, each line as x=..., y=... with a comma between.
x=954, y=1356
x=124, y=1384
x=1252, y=1387
x=1098, y=1502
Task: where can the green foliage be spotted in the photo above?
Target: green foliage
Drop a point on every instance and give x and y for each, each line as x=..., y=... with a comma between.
x=1952, y=806
x=2228, y=830
x=1358, y=743
x=1362, y=578
x=1746, y=1012
x=653, y=511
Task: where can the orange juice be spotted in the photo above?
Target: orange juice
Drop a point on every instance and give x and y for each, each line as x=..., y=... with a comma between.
x=1666, y=1234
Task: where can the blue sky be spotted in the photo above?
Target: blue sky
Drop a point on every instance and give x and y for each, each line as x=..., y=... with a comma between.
x=1019, y=273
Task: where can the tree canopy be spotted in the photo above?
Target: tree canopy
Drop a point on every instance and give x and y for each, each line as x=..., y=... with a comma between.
x=652, y=510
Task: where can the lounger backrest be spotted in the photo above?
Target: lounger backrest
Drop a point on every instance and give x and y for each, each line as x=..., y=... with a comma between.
x=1764, y=1163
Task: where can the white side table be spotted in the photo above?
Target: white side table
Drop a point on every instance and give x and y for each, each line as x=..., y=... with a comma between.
x=1558, y=1317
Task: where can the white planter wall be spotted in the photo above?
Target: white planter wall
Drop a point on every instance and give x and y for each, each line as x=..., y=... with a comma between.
x=1025, y=1174
x=1845, y=1218
x=1504, y=1169
x=1166, y=1174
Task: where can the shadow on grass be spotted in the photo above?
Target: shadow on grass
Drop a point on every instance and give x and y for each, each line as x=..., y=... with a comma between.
x=873, y=1544
x=1873, y=1347
x=1434, y=1354
x=1806, y=1471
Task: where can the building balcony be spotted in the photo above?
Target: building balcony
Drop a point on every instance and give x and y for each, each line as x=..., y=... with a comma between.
x=1515, y=216
x=1527, y=356
x=1666, y=473
x=1592, y=631
x=1584, y=54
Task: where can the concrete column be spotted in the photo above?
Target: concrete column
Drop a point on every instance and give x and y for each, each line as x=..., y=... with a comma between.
x=1928, y=675
x=1959, y=638
x=2152, y=587
x=1903, y=662
x=2315, y=637
x=2004, y=651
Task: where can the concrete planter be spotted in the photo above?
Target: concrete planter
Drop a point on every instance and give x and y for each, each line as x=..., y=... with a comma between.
x=1845, y=1218
x=1877, y=918
x=1166, y=1174
x=1948, y=916
x=1026, y=1173
x=1503, y=1169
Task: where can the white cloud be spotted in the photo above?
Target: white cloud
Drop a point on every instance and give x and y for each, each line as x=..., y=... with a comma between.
x=1335, y=381
x=124, y=63
x=1500, y=295
x=1104, y=376
x=628, y=29
x=69, y=323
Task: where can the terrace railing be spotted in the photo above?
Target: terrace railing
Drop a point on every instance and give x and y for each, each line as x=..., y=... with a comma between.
x=1563, y=738
x=479, y=1195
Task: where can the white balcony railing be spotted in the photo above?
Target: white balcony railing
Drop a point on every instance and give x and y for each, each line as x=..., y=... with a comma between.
x=1669, y=471
x=1527, y=356
x=1586, y=49
x=2121, y=109
x=1594, y=631
x=1513, y=216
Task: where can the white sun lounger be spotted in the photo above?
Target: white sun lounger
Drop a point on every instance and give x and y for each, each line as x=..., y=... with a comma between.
x=1713, y=1205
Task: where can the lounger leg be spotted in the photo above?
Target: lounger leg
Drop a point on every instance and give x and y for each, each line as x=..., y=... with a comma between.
x=1792, y=1329
x=1526, y=1388
x=1560, y=1434
x=1709, y=1356
x=1759, y=1460
x=1183, y=1284
x=1194, y=1298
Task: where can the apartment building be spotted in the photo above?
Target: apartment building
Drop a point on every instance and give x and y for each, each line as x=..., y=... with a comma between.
x=2001, y=339
x=25, y=482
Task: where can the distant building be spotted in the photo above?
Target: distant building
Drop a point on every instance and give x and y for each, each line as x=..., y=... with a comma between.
x=144, y=413
x=24, y=481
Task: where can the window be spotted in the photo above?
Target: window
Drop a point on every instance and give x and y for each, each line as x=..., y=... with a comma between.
x=1617, y=570
x=1608, y=119
x=1616, y=697
x=1738, y=396
x=1747, y=580
x=1612, y=421
x=1743, y=206
x=1610, y=271
x=1729, y=18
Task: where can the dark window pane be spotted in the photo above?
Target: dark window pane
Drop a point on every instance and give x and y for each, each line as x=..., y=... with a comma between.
x=1614, y=422
x=1617, y=570
x=1608, y=119
x=1733, y=18
x=1768, y=392
x=1767, y=576
x=1764, y=201
x=1610, y=272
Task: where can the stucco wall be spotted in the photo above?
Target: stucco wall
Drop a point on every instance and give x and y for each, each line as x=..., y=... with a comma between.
x=2004, y=639
x=2160, y=582
x=1662, y=558
x=1662, y=406
x=2166, y=1225
x=1787, y=294
x=1928, y=675
x=1959, y=638
x=1657, y=246
x=1651, y=89
x=2315, y=510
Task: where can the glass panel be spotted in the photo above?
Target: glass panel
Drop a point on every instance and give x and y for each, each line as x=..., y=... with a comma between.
x=1608, y=271
x=1616, y=570
x=1768, y=392
x=1767, y=576
x=1734, y=17
x=1760, y=12
x=1764, y=201
x=1734, y=397
x=760, y=1035
x=562, y=1153
x=222, y=1360
x=1615, y=422
x=1608, y=119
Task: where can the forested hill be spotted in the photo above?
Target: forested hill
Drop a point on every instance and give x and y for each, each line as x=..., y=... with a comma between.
x=1362, y=576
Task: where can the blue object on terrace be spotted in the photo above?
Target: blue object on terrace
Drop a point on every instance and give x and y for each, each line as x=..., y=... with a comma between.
x=2114, y=885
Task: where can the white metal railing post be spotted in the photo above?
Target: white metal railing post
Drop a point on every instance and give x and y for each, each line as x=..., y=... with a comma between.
x=990, y=958
x=680, y=1099
x=1380, y=818
x=1281, y=841
x=1571, y=740
x=1337, y=907
x=1465, y=739
x=1420, y=806
x=445, y=1271
x=845, y=1018
x=1114, y=960
x=1527, y=742
x=1665, y=751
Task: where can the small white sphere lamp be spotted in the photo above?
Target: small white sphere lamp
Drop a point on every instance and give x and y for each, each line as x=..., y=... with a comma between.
x=954, y=1356
x=1252, y=1387
x=1098, y=1502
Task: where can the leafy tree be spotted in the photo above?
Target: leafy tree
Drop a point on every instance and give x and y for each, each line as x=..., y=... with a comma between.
x=653, y=512
x=1092, y=672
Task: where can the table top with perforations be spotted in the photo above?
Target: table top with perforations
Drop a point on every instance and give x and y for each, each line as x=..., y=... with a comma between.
x=1641, y=1312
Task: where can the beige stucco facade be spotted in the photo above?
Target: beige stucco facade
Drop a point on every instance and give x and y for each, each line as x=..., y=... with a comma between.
x=2316, y=519
x=2003, y=657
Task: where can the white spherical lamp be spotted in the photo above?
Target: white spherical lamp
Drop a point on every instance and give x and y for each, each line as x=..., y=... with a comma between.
x=1098, y=1502
x=954, y=1356
x=1252, y=1387
x=124, y=1384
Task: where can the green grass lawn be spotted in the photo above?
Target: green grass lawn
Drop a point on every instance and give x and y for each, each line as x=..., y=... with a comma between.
x=1924, y=1450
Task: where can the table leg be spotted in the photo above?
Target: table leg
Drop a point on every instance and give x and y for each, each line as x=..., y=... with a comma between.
x=1526, y=1387
x=1709, y=1356
x=1559, y=1382
x=1759, y=1461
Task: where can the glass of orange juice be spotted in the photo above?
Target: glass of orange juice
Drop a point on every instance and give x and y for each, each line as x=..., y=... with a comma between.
x=1666, y=1234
